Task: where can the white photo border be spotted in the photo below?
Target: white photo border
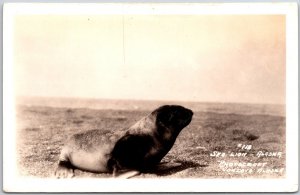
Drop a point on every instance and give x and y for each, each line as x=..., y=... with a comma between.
x=12, y=182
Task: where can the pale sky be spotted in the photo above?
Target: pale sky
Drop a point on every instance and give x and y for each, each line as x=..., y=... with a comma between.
x=219, y=58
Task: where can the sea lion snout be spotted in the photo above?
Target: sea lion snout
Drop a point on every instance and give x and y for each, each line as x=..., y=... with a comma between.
x=188, y=115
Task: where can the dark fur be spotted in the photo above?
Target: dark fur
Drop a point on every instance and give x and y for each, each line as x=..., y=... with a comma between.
x=142, y=150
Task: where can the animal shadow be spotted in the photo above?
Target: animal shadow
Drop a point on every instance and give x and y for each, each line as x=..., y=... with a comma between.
x=169, y=168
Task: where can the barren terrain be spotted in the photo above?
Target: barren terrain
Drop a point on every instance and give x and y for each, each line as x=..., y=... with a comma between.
x=42, y=131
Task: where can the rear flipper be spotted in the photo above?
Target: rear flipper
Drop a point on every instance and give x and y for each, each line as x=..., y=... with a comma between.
x=64, y=170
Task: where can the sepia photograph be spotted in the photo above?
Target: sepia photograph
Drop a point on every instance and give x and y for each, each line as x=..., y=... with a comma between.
x=138, y=94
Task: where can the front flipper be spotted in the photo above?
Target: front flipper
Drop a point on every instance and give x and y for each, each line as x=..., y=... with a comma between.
x=161, y=167
x=127, y=174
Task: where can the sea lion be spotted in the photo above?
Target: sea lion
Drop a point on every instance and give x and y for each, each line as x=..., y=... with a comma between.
x=139, y=148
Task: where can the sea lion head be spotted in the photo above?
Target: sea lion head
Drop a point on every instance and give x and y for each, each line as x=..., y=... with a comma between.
x=173, y=118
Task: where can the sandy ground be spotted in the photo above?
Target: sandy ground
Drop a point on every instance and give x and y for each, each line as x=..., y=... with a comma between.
x=42, y=131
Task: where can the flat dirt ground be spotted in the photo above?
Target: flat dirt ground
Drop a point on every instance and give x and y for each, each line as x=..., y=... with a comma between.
x=42, y=130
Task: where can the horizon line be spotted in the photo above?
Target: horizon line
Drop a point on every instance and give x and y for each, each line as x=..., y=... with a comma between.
x=151, y=100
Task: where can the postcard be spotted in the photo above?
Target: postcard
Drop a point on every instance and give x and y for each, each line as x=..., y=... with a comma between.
x=152, y=97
